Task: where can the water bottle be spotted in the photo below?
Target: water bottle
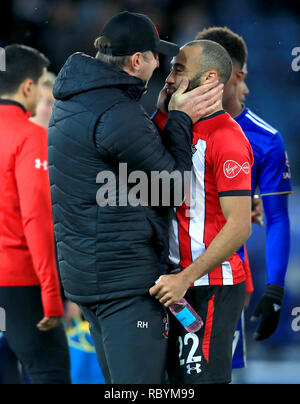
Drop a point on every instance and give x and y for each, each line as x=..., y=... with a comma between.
x=186, y=315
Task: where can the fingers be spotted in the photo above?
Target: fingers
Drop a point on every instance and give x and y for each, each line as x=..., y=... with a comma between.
x=210, y=96
x=258, y=220
x=205, y=88
x=169, y=302
x=153, y=291
x=205, y=111
x=257, y=312
x=165, y=298
x=183, y=86
x=161, y=293
x=48, y=323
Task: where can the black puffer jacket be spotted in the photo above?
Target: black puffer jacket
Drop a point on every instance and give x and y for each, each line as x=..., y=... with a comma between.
x=97, y=122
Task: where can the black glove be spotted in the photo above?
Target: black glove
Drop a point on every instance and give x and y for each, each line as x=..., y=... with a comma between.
x=269, y=308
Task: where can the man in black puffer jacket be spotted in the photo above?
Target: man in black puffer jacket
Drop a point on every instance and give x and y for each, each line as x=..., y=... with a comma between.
x=109, y=256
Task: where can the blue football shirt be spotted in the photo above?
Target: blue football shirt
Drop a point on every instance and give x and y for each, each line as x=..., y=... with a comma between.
x=271, y=175
x=271, y=172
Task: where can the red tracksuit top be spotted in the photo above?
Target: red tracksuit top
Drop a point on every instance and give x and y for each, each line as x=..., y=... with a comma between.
x=27, y=255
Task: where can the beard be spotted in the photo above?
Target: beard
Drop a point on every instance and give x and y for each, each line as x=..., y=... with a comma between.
x=193, y=83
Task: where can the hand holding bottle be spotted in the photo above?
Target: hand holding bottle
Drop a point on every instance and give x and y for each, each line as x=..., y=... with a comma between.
x=183, y=311
x=170, y=289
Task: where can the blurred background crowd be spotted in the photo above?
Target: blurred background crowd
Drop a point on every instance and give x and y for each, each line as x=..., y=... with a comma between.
x=271, y=30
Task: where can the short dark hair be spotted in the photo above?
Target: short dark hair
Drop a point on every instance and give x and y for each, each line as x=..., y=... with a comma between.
x=232, y=42
x=22, y=62
x=213, y=56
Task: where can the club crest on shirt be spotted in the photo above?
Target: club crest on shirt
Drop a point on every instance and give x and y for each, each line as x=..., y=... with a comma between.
x=231, y=168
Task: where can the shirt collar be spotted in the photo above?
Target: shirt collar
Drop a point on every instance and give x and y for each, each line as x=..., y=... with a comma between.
x=212, y=115
x=11, y=102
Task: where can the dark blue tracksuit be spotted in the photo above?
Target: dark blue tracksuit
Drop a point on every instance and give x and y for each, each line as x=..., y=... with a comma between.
x=110, y=256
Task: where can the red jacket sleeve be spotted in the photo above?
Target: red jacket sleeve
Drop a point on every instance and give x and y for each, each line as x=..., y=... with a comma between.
x=249, y=280
x=160, y=118
x=33, y=185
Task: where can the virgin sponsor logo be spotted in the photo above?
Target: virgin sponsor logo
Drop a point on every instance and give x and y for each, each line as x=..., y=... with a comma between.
x=231, y=168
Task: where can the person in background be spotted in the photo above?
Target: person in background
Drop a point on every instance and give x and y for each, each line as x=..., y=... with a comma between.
x=45, y=105
x=84, y=365
x=271, y=175
x=29, y=284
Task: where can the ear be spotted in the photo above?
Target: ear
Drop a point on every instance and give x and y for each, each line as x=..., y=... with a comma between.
x=136, y=61
x=240, y=76
x=26, y=87
x=209, y=77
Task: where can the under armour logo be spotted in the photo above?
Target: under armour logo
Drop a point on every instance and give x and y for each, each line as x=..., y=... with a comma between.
x=276, y=307
x=39, y=164
x=231, y=168
x=196, y=368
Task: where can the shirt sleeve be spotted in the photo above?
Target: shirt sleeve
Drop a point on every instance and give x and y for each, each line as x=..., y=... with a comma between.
x=31, y=173
x=275, y=172
x=159, y=118
x=232, y=159
x=278, y=238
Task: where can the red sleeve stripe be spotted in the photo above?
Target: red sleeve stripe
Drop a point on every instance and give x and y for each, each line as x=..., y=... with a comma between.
x=182, y=213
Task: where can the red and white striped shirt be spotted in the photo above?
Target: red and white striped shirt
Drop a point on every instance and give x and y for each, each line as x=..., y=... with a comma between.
x=222, y=161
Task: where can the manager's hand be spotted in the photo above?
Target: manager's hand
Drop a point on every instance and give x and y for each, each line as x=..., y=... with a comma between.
x=199, y=102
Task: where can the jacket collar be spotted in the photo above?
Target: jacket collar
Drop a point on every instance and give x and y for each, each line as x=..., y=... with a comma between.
x=136, y=91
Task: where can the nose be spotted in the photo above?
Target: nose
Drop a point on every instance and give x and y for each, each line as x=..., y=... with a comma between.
x=170, y=79
x=247, y=91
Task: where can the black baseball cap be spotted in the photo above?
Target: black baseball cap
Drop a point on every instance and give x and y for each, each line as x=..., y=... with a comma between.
x=132, y=32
